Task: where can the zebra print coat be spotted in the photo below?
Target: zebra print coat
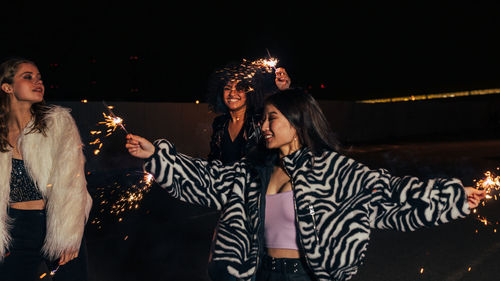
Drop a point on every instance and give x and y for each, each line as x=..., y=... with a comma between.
x=337, y=202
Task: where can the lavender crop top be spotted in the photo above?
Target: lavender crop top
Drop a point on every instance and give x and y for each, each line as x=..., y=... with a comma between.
x=280, y=230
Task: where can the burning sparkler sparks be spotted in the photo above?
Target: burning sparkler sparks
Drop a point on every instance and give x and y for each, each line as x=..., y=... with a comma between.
x=118, y=199
x=52, y=272
x=246, y=70
x=491, y=184
x=111, y=122
x=270, y=61
x=266, y=63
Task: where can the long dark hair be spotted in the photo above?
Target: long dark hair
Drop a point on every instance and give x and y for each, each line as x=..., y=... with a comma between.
x=306, y=116
x=8, y=70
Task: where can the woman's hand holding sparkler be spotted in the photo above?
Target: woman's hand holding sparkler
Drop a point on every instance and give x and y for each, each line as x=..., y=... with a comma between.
x=67, y=256
x=139, y=147
x=474, y=196
x=282, y=79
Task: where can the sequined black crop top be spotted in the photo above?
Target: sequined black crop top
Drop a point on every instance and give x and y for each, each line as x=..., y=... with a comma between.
x=22, y=187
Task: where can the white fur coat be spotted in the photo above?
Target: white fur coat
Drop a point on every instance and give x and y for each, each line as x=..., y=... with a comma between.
x=55, y=162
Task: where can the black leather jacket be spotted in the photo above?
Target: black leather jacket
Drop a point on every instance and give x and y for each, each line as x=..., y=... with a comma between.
x=251, y=134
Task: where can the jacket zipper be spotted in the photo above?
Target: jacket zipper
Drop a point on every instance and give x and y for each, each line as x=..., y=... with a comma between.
x=313, y=213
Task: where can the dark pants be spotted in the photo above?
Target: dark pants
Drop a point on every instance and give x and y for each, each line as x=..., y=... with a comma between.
x=273, y=269
x=25, y=261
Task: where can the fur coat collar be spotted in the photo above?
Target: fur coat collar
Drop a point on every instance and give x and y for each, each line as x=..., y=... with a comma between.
x=55, y=162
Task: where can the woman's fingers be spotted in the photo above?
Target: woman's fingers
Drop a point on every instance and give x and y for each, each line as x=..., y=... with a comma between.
x=481, y=194
x=471, y=191
x=474, y=196
x=132, y=140
x=139, y=147
x=129, y=145
x=137, y=140
x=68, y=256
x=473, y=203
x=132, y=144
x=63, y=259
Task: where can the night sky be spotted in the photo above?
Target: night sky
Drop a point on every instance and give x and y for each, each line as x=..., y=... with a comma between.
x=165, y=51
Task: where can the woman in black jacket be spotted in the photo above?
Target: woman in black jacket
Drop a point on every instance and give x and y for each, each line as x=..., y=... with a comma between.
x=237, y=92
x=299, y=209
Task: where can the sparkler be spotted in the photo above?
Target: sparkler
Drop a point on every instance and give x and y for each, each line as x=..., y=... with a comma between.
x=246, y=70
x=266, y=63
x=270, y=62
x=52, y=272
x=111, y=122
x=491, y=184
x=123, y=198
x=131, y=198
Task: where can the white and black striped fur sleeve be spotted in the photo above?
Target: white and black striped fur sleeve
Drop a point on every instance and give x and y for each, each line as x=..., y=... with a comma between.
x=407, y=203
x=194, y=180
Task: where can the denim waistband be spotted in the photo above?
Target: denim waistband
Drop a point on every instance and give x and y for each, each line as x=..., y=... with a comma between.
x=284, y=265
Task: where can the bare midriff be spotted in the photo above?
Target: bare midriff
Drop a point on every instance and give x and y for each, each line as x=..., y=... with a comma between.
x=283, y=253
x=29, y=205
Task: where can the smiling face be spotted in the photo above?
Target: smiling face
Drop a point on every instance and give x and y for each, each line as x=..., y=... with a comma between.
x=277, y=131
x=235, y=99
x=27, y=85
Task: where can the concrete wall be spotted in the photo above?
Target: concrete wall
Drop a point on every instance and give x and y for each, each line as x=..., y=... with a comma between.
x=188, y=125
x=356, y=122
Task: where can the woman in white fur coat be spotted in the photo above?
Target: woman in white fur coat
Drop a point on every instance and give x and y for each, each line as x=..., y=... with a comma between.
x=44, y=202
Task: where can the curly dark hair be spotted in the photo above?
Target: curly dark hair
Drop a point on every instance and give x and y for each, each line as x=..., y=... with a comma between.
x=254, y=79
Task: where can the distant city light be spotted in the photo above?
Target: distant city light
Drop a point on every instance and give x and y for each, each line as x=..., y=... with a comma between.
x=434, y=96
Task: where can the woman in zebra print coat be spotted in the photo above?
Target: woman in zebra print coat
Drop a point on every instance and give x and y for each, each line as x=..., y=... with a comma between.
x=334, y=201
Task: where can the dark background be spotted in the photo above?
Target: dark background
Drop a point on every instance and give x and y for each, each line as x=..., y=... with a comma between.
x=165, y=50
x=157, y=51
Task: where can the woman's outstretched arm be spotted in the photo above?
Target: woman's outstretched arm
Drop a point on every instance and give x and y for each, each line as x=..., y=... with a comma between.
x=192, y=180
x=407, y=203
